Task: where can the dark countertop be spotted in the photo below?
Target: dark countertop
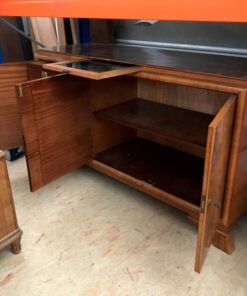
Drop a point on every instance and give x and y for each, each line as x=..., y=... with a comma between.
x=193, y=62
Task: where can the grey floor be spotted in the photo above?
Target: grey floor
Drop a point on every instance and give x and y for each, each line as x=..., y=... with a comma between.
x=87, y=234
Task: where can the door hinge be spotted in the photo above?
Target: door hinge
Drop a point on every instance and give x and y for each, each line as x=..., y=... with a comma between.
x=20, y=90
x=218, y=205
x=44, y=74
x=203, y=203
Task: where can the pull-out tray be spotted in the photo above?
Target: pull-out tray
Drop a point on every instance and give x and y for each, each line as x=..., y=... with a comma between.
x=93, y=68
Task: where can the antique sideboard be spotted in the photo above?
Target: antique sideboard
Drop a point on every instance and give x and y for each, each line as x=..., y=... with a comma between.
x=171, y=124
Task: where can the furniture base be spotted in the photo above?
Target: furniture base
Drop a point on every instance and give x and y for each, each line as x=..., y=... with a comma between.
x=223, y=237
x=14, y=240
x=224, y=240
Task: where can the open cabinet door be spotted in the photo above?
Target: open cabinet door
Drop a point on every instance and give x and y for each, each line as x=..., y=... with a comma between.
x=10, y=121
x=57, y=126
x=215, y=170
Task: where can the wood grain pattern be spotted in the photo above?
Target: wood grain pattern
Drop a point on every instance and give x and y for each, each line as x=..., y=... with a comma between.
x=57, y=125
x=161, y=195
x=235, y=203
x=10, y=122
x=162, y=167
x=223, y=237
x=194, y=62
x=191, y=98
x=62, y=68
x=9, y=230
x=116, y=134
x=215, y=170
x=54, y=57
x=180, y=125
x=36, y=71
x=113, y=91
x=197, y=81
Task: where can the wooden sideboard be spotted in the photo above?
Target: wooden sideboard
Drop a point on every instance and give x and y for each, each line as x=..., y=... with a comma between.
x=10, y=233
x=170, y=124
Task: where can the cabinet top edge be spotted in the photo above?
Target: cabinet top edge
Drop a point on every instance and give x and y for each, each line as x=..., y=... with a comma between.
x=202, y=63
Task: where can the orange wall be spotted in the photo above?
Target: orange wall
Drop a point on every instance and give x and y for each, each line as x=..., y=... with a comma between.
x=190, y=10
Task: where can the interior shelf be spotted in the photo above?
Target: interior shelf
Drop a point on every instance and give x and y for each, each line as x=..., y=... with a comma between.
x=177, y=173
x=183, y=125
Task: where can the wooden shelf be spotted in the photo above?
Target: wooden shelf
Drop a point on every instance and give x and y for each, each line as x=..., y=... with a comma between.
x=181, y=125
x=167, y=174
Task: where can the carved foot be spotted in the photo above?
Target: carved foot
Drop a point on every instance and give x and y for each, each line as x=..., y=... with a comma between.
x=16, y=246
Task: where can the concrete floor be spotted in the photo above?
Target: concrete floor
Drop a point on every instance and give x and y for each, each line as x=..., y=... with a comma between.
x=87, y=234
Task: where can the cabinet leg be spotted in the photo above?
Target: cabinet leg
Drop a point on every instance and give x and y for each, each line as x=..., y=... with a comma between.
x=16, y=246
x=224, y=240
x=223, y=237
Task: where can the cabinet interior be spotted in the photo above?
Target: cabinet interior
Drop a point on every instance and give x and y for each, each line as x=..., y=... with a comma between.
x=153, y=135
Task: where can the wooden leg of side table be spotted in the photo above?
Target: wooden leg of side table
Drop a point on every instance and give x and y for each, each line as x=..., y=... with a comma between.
x=16, y=246
x=223, y=238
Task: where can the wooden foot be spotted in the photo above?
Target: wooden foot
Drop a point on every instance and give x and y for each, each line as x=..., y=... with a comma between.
x=224, y=241
x=16, y=246
x=223, y=237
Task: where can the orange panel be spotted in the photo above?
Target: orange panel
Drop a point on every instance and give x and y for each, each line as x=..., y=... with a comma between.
x=190, y=10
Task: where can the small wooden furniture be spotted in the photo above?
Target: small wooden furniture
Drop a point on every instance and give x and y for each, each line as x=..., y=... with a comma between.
x=170, y=124
x=10, y=233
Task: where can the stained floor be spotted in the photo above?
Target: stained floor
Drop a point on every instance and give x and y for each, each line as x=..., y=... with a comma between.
x=89, y=235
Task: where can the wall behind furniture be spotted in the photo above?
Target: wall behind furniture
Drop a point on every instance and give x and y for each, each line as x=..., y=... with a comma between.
x=228, y=38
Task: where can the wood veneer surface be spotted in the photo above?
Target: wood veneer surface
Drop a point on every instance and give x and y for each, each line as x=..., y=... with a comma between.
x=173, y=171
x=197, y=62
x=184, y=125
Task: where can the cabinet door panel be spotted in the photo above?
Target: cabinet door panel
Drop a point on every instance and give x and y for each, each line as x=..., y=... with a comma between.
x=57, y=126
x=10, y=122
x=215, y=170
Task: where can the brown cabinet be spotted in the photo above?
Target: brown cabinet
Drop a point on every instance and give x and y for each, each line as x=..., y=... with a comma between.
x=174, y=134
x=10, y=233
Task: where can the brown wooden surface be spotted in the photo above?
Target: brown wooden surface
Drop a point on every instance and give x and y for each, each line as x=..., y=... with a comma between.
x=191, y=98
x=107, y=134
x=112, y=91
x=62, y=68
x=206, y=81
x=224, y=241
x=223, y=237
x=163, y=168
x=235, y=203
x=9, y=230
x=36, y=71
x=57, y=126
x=10, y=123
x=171, y=122
x=145, y=187
x=215, y=170
x=196, y=62
x=217, y=82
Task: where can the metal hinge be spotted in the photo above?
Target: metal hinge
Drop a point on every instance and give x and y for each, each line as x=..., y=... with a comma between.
x=44, y=74
x=20, y=90
x=203, y=203
x=218, y=205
